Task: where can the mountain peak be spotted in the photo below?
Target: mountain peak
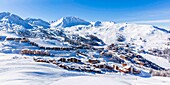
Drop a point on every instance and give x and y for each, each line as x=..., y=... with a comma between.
x=6, y=13
x=69, y=21
x=70, y=17
x=97, y=23
x=9, y=19
x=3, y=14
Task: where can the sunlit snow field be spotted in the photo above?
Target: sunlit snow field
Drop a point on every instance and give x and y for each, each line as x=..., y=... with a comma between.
x=18, y=70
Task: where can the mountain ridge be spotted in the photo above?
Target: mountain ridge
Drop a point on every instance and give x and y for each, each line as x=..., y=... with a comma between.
x=62, y=22
x=9, y=19
x=108, y=32
x=69, y=21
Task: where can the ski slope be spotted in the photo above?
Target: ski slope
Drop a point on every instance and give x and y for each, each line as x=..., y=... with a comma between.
x=17, y=69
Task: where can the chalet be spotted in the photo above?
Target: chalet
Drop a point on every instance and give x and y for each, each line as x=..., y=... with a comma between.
x=33, y=43
x=40, y=60
x=138, y=62
x=23, y=40
x=51, y=61
x=123, y=57
x=93, y=61
x=10, y=39
x=74, y=60
x=115, y=67
x=62, y=60
x=33, y=52
x=129, y=69
x=109, y=67
x=101, y=66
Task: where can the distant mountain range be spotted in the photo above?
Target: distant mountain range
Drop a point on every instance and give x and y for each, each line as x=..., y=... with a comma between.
x=144, y=36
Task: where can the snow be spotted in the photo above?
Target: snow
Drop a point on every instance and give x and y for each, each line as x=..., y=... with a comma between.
x=146, y=36
x=106, y=80
x=8, y=34
x=38, y=22
x=157, y=60
x=69, y=21
x=9, y=19
x=47, y=42
x=86, y=80
x=21, y=69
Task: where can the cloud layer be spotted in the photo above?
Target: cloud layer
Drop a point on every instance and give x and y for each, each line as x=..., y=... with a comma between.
x=153, y=21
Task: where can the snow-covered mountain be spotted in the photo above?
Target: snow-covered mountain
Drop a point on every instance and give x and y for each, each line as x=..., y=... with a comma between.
x=98, y=23
x=144, y=36
x=11, y=21
x=108, y=32
x=38, y=22
x=69, y=21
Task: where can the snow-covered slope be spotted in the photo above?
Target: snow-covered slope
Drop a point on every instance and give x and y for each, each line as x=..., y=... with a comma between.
x=11, y=21
x=69, y=21
x=19, y=70
x=114, y=80
x=144, y=36
x=38, y=22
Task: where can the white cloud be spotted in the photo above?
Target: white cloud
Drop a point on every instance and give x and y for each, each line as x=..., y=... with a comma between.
x=165, y=23
x=152, y=21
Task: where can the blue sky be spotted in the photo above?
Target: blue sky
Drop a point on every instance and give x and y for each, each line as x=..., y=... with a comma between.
x=156, y=12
